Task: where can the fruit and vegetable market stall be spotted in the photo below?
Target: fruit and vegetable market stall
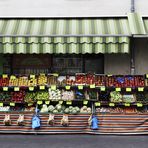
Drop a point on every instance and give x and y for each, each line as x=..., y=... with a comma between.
x=49, y=85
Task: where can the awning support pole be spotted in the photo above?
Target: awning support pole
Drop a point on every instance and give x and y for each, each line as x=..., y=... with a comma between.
x=132, y=5
x=132, y=57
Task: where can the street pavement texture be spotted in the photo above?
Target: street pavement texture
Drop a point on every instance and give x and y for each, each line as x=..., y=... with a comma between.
x=72, y=141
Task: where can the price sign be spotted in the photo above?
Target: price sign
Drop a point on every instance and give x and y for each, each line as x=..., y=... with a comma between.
x=31, y=88
x=67, y=87
x=68, y=102
x=85, y=102
x=30, y=104
x=1, y=104
x=16, y=88
x=128, y=89
x=97, y=104
x=80, y=87
x=47, y=102
x=5, y=76
x=60, y=102
x=102, y=88
x=5, y=88
x=55, y=74
x=127, y=104
x=140, y=88
x=32, y=76
x=92, y=86
x=118, y=89
x=42, y=74
x=147, y=76
x=40, y=102
x=42, y=87
x=111, y=104
x=53, y=87
x=139, y=104
x=109, y=75
x=12, y=77
x=12, y=104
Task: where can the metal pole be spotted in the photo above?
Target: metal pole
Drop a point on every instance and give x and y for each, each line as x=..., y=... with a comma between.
x=132, y=5
x=132, y=59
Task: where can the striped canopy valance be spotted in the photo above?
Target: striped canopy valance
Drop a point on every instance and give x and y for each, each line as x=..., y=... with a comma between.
x=102, y=35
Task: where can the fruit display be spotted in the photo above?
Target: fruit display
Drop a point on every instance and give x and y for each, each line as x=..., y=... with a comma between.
x=128, y=98
x=115, y=96
x=68, y=95
x=80, y=79
x=5, y=108
x=13, y=82
x=64, y=109
x=99, y=80
x=52, y=80
x=90, y=79
x=139, y=81
x=54, y=94
x=18, y=96
x=23, y=81
x=130, y=110
x=80, y=94
x=5, y=96
x=109, y=110
x=104, y=96
x=70, y=80
x=4, y=82
x=42, y=95
x=30, y=97
x=32, y=82
x=91, y=95
x=42, y=79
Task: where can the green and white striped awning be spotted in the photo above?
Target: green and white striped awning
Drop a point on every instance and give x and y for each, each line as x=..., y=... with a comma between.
x=103, y=35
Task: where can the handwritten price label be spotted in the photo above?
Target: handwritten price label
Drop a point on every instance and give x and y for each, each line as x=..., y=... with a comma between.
x=97, y=104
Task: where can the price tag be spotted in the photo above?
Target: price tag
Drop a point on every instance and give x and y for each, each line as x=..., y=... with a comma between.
x=80, y=87
x=109, y=75
x=67, y=87
x=12, y=104
x=118, y=89
x=60, y=102
x=42, y=87
x=42, y=74
x=16, y=88
x=111, y=104
x=12, y=77
x=97, y=104
x=5, y=76
x=92, y=86
x=32, y=76
x=55, y=74
x=147, y=76
x=1, y=104
x=85, y=102
x=31, y=88
x=139, y=104
x=140, y=88
x=102, y=88
x=128, y=89
x=40, y=102
x=5, y=88
x=68, y=102
x=47, y=102
x=127, y=104
x=53, y=87
x=30, y=104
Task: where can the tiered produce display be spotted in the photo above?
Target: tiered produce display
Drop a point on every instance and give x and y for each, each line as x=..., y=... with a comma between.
x=107, y=93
